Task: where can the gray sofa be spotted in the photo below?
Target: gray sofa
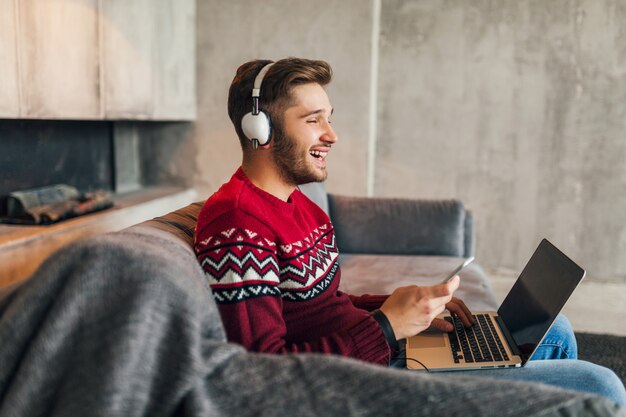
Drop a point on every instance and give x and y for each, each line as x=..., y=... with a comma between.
x=124, y=324
x=385, y=243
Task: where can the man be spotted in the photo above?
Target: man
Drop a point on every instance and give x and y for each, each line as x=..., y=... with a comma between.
x=269, y=253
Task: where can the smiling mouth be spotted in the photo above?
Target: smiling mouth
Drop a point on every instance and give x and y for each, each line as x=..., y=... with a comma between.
x=319, y=155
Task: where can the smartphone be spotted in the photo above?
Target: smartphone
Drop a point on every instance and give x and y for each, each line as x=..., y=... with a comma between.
x=458, y=269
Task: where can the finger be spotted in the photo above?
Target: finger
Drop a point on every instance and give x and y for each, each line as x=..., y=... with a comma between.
x=453, y=284
x=466, y=310
x=445, y=289
x=442, y=325
x=435, y=306
x=454, y=308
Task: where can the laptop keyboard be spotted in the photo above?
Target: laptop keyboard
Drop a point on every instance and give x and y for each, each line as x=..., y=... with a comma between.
x=479, y=343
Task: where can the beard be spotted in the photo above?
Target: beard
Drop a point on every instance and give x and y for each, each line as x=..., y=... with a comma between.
x=292, y=160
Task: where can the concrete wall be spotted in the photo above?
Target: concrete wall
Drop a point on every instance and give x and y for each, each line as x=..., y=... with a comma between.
x=515, y=107
x=518, y=109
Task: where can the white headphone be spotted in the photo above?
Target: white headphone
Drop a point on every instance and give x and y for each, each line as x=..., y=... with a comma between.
x=256, y=125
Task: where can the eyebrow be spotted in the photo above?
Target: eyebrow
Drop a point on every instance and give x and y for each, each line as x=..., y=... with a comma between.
x=315, y=112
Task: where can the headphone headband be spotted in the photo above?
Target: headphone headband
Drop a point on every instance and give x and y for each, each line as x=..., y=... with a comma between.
x=256, y=124
x=256, y=90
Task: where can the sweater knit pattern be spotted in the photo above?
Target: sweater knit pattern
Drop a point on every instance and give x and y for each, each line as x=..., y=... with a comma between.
x=240, y=264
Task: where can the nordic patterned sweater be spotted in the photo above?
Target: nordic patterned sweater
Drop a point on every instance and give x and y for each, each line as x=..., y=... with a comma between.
x=273, y=268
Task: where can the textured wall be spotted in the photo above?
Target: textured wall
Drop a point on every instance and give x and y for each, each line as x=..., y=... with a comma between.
x=519, y=109
x=231, y=33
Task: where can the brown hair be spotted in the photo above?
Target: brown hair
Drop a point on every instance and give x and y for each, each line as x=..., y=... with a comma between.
x=276, y=89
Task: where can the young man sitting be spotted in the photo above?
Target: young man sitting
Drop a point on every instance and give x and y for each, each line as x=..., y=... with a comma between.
x=269, y=252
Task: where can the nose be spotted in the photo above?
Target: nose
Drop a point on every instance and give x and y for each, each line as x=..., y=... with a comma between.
x=329, y=135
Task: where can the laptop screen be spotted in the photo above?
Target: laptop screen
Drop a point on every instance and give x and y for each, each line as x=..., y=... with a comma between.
x=538, y=296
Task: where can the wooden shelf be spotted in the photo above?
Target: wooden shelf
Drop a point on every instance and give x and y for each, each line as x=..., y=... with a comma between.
x=23, y=248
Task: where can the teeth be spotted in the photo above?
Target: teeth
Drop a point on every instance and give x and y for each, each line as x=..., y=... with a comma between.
x=318, y=154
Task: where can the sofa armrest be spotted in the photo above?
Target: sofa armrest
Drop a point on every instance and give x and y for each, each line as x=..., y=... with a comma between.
x=469, y=238
x=400, y=226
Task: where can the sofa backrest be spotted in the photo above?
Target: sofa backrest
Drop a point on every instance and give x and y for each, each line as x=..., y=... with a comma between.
x=397, y=226
x=348, y=224
x=367, y=225
x=180, y=223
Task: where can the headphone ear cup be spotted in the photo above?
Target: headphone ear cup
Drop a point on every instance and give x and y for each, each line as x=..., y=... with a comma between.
x=257, y=126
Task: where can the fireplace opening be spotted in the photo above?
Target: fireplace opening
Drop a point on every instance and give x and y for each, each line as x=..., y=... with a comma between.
x=39, y=153
x=134, y=161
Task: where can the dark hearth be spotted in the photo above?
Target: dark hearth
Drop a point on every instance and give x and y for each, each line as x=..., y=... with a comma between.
x=37, y=153
x=51, y=204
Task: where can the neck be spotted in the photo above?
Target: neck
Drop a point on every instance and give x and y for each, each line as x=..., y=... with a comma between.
x=262, y=172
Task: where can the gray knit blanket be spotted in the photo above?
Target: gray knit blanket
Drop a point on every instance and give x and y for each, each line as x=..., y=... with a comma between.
x=124, y=325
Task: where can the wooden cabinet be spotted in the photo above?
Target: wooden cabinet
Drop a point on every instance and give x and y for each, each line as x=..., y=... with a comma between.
x=9, y=93
x=128, y=63
x=58, y=58
x=94, y=59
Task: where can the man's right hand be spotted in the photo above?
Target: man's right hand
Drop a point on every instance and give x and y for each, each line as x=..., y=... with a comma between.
x=412, y=309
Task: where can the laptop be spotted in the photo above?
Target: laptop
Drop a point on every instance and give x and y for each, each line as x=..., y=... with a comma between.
x=509, y=337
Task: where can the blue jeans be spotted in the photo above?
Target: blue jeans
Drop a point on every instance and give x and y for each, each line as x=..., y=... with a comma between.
x=573, y=375
x=559, y=342
x=576, y=375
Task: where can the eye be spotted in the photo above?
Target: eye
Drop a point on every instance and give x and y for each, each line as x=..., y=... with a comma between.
x=312, y=121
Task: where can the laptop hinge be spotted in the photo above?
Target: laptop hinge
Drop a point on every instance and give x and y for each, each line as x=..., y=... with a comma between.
x=507, y=336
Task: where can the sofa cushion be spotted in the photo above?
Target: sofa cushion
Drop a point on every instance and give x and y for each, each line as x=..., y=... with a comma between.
x=381, y=274
x=398, y=226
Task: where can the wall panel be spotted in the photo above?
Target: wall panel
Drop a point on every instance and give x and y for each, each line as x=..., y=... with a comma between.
x=58, y=42
x=128, y=58
x=175, y=82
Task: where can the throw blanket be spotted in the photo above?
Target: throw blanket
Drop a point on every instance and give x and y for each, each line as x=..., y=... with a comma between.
x=124, y=325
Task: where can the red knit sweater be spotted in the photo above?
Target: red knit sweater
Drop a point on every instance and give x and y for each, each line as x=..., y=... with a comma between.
x=272, y=266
